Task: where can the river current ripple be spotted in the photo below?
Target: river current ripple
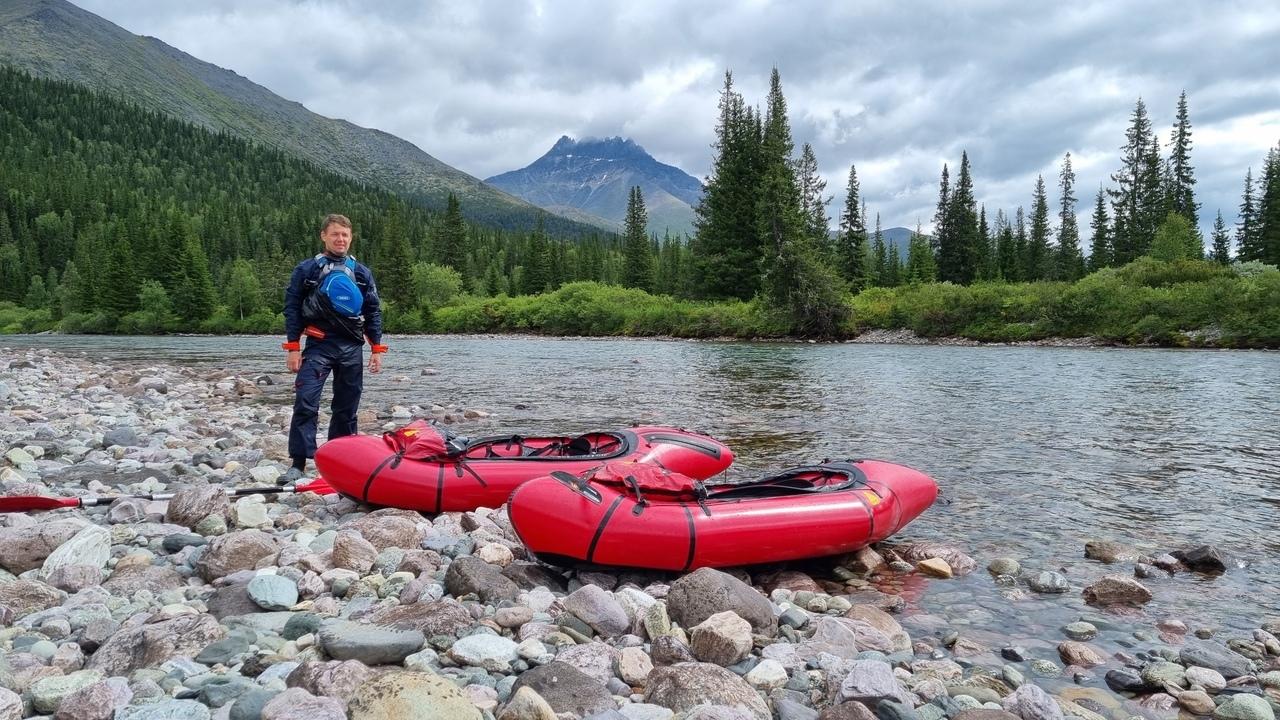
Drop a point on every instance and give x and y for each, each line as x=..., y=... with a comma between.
x=1037, y=450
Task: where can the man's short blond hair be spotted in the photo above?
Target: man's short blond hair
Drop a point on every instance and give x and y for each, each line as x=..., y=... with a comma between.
x=335, y=219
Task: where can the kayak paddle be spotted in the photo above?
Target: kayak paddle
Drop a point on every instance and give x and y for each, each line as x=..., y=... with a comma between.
x=26, y=503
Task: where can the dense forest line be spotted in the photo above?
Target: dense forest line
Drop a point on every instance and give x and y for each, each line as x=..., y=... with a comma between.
x=114, y=218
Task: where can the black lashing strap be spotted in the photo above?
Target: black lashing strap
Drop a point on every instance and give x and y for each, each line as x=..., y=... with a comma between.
x=693, y=535
x=439, y=487
x=369, y=483
x=595, y=539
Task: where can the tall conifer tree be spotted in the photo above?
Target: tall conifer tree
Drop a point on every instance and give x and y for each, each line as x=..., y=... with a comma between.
x=637, y=269
x=852, y=247
x=1101, y=253
x=1070, y=261
x=726, y=251
x=1039, y=258
x=1181, y=175
x=1138, y=201
x=451, y=239
x=395, y=271
x=1248, y=241
x=1221, y=252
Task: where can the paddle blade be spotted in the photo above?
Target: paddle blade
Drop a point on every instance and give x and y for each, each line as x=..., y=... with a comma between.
x=317, y=486
x=27, y=503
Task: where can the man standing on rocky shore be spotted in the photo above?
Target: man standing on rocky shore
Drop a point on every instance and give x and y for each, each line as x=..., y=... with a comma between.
x=333, y=300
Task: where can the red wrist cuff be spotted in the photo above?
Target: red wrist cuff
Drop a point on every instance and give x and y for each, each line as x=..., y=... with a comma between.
x=376, y=348
x=291, y=346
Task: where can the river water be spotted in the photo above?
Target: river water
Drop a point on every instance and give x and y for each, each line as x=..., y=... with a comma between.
x=1037, y=450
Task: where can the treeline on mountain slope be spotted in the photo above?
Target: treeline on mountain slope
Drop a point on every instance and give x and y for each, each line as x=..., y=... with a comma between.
x=101, y=197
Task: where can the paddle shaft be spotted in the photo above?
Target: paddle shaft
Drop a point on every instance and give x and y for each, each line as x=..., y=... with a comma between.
x=28, y=503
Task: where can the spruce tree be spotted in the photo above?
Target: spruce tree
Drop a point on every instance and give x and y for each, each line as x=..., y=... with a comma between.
x=1070, y=261
x=726, y=251
x=120, y=281
x=637, y=269
x=1248, y=240
x=451, y=239
x=1221, y=252
x=880, y=257
x=921, y=265
x=852, y=244
x=985, y=256
x=535, y=278
x=798, y=281
x=1181, y=175
x=1008, y=263
x=395, y=263
x=70, y=296
x=894, y=270
x=959, y=245
x=1268, y=216
x=1039, y=260
x=1138, y=201
x=941, y=223
x=1020, y=245
x=1101, y=253
x=194, y=299
x=812, y=203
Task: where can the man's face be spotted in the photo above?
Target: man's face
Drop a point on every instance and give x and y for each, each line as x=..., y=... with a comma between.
x=337, y=239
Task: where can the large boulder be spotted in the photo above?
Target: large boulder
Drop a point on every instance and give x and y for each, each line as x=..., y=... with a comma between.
x=234, y=552
x=469, y=574
x=25, y=548
x=150, y=645
x=411, y=696
x=682, y=687
x=705, y=592
x=189, y=506
x=389, y=527
x=566, y=689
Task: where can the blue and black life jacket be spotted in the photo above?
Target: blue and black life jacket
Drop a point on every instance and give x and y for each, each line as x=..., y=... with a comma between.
x=335, y=296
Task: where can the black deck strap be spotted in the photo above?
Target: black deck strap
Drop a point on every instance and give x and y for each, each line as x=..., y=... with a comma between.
x=547, y=449
x=439, y=487
x=693, y=535
x=703, y=504
x=641, y=503
x=369, y=483
x=595, y=539
x=462, y=465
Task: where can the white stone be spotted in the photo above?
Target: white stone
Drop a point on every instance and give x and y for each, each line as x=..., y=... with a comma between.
x=90, y=546
x=767, y=675
x=491, y=652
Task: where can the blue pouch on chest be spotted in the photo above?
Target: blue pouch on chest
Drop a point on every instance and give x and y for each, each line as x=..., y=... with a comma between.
x=342, y=291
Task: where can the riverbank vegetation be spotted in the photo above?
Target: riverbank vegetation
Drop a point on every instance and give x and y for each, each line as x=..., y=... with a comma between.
x=115, y=219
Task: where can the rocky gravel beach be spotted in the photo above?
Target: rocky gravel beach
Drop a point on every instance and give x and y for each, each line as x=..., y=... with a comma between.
x=297, y=605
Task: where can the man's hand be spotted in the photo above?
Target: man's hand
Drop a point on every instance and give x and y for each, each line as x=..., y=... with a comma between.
x=375, y=362
x=294, y=363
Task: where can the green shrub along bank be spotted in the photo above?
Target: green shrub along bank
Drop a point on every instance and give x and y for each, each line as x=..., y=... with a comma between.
x=1182, y=303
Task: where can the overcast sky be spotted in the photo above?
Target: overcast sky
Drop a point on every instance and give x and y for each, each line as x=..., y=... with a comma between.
x=895, y=88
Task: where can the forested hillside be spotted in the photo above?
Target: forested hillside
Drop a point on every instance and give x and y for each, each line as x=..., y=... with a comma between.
x=56, y=40
x=103, y=200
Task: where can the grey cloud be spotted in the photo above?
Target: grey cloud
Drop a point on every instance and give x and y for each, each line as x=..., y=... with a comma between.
x=897, y=88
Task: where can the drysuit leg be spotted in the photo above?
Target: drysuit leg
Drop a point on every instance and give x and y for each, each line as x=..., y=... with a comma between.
x=348, y=384
x=317, y=362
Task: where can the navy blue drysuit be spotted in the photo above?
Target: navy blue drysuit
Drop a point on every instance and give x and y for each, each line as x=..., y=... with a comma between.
x=330, y=348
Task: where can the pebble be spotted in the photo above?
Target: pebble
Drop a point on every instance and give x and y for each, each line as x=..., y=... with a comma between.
x=291, y=606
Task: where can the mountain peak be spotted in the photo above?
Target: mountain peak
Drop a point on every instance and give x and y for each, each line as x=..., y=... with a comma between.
x=596, y=175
